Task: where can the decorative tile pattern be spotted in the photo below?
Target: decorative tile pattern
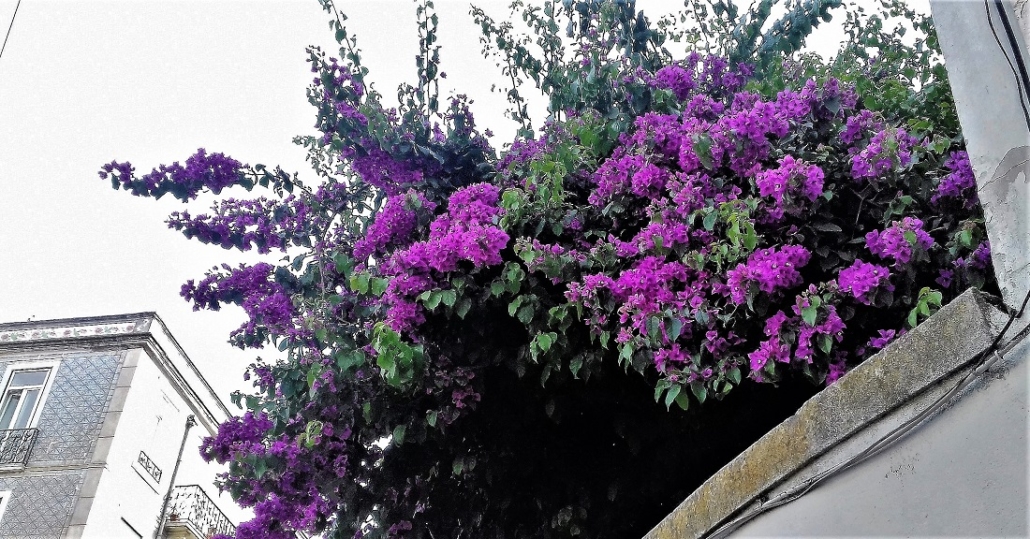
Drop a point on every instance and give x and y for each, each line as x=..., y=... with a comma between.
x=74, y=412
x=41, y=505
x=95, y=330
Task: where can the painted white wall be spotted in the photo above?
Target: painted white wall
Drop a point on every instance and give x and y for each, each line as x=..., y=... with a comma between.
x=153, y=422
x=962, y=474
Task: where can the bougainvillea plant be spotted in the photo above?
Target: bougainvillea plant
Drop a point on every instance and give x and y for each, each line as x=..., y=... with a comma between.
x=566, y=339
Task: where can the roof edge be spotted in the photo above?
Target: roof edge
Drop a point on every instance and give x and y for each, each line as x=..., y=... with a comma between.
x=145, y=329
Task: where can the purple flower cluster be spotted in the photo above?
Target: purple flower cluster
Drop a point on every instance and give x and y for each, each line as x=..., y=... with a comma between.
x=770, y=269
x=780, y=327
x=265, y=301
x=393, y=226
x=468, y=232
x=883, y=338
x=862, y=280
x=837, y=369
x=959, y=184
x=522, y=151
x=738, y=137
x=703, y=74
x=889, y=149
x=979, y=259
x=380, y=169
x=858, y=126
x=831, y=326
x=202, y=171
x=245, y=224
x=899, y=241
x=790, y=184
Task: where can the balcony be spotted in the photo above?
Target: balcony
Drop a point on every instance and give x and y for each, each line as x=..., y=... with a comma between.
x=192, y=515
x=15, y=447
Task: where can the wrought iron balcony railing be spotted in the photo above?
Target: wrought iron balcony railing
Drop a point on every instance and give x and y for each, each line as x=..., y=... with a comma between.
x=190, y=506
x=16, y=445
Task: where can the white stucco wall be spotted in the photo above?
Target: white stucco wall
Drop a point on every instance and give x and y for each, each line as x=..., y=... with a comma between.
x=964, y=473
x=988, y=100
x=153, y=421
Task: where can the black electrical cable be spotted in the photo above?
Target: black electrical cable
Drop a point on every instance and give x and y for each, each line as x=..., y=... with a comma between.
x=1022, y=80
x=16, y=6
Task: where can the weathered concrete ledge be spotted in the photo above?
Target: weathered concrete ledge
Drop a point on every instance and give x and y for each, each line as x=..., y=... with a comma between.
x=911, y=366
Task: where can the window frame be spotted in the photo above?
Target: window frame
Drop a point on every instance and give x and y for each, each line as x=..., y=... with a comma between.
x=16, y=367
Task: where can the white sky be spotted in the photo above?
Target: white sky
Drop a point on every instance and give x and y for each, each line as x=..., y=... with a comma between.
x=85, y=82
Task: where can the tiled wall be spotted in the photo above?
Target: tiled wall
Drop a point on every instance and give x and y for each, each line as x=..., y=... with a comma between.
x=43, y=498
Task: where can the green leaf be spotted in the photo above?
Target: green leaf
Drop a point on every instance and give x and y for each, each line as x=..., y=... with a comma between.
x=575, y=365
x=260, y=466
x=497, y=288
x=734, y=375
x=809, y=314
x=827, y=227
x=670, y=397
x=525, y=314
x=825, y=343
x=675, y=328
x=378, y=286
x=513, y=307
x=709, y=221
x=398, y=434
x=544, y=341
x=463, y=307
x=434, y=300
x=703, y=150
x=699, y=391
x=431, y=418
x=348, y=360
x=625, y=352
x=449, y=297
x=683, y=401
x=313, y=374
x=359, y=283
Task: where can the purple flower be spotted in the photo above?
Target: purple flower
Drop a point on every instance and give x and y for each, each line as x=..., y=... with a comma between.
x=213, y=172
x=770, y=350
x=771, y=269
x=959, y=184
x=899, y=241
x=981, y=257
x=791, y=184
x=884, y=337
x=889, y=149
x=862, y=280
x=836, y=371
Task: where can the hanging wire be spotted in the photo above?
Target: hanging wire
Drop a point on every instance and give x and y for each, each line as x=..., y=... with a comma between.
x=16, y=6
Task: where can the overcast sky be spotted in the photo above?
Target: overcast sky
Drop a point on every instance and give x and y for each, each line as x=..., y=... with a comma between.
x=150, y=81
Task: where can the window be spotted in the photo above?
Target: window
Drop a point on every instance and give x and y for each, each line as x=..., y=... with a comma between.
x=22, y=396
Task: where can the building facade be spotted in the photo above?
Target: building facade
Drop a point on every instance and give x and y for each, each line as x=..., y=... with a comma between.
x=100, y=423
